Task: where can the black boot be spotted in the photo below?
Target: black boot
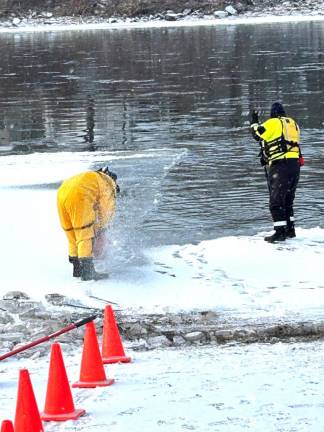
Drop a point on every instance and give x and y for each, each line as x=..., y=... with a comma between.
x=278, y=235
x=290, y=230
x=76, y=266
x=88, y=271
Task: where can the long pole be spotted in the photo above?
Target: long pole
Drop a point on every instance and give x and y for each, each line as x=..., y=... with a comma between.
x=267, y=177
x=48, y=337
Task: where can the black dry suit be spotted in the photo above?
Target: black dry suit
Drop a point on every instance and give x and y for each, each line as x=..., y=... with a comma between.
x=279, y=138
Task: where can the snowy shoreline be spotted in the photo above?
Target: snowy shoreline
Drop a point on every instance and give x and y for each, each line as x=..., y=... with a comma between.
x=23, y=318
x=78, y=26
x=47, y=22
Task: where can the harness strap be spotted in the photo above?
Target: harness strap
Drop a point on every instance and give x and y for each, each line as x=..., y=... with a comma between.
x=79, y=228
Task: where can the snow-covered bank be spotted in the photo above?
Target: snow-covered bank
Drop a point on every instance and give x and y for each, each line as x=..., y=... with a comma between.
x=227, y=389
x=99, y=15
x=70, y=23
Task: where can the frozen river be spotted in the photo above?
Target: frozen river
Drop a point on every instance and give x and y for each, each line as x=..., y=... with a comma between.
x=183, y=96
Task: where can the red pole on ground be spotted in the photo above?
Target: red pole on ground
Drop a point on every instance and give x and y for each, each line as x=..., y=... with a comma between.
x=46, y=338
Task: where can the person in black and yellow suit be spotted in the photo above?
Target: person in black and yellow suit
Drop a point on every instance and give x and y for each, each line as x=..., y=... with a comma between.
x=279, y=137
x=86, y=203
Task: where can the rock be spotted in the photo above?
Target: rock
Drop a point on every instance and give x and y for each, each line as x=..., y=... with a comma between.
x=178, y=341
x=171, y=16
x=34, y=313
x=194, y=336
x=220, y=14
x=209, y=315
x=16, y=21
x=320, y=328
x=136, y=330
x=16, y=328
x=12, y=337
x=223, y=335
x=16, y=295
x=6, y=318
x=230, y=10
x=36, y=355
x=35, y=352
x=55, y=299
x=14, y=306
x=187, y=12
x=158, y=342
x=139, y=345
x=240, y=7
x=6, y=346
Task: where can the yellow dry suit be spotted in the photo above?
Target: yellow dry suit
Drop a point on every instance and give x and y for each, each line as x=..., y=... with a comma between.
x=86, y=203
x=279, y=137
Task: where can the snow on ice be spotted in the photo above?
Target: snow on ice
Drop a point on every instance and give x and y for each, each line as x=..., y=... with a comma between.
x=214, y=388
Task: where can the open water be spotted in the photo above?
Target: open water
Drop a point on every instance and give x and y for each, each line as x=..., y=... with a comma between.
x=173, y=104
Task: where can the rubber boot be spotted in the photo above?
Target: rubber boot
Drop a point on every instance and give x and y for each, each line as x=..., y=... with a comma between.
x=88, y=271
x=278, y=235
x=290, y=230
x=76, y=266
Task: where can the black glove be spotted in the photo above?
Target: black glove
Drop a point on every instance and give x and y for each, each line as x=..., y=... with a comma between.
x=254, y=117
x=112, y=175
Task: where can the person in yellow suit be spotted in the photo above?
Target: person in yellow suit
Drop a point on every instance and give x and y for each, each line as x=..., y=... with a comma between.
x=279, y=137
x=86, y=203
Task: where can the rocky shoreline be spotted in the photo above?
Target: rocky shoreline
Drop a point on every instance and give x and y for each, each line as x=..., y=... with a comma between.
x=23, y=320
x=102, y=12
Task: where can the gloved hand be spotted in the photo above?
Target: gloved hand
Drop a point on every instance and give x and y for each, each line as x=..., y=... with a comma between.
x=112, y=175
x=254, y=117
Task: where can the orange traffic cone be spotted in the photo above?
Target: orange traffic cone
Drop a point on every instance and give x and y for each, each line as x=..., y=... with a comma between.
x=59, y=404
x=92, y=373
x=7, y=426
x=112, y=347
x=27, y=418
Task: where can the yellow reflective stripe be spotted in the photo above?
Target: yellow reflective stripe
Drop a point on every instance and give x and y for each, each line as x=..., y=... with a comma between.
x=292, y=155
x=288, y=155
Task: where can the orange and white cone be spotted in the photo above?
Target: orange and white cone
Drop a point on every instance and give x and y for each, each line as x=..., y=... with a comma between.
x=112, y=346
x=7, y=426
x=92, y=372
x=59, y=404
x=27, y=418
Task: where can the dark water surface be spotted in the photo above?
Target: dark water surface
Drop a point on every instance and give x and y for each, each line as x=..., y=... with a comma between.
x=183, y=92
